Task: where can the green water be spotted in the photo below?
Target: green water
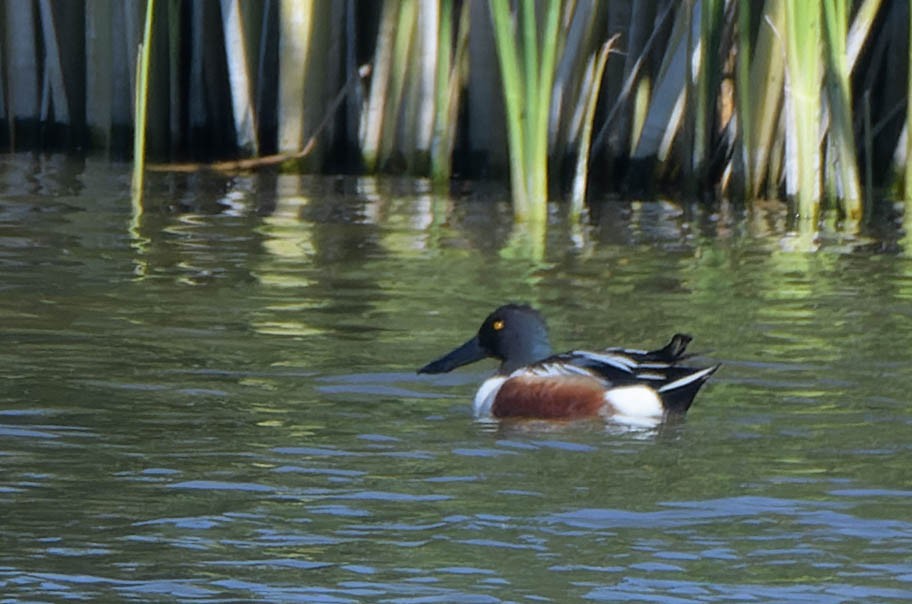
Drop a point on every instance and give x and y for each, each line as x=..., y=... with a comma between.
x=220, y=403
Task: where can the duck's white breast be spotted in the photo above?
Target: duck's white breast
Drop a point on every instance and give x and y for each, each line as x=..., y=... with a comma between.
x=486, y=394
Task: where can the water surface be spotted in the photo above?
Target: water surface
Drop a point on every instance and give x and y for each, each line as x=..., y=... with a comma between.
x=218, y=402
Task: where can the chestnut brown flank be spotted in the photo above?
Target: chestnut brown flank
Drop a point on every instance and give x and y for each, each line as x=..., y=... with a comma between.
x=549, y=398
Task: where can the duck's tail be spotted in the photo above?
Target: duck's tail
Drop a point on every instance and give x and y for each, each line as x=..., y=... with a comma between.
x=678, y=395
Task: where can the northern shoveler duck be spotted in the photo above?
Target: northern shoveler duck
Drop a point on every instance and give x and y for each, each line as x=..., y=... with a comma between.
x=631, y=386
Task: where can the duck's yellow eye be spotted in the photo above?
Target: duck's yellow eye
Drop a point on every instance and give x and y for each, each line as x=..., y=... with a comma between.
x=498, y=324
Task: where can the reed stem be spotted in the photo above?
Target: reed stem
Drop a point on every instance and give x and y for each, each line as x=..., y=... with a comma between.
x=803, y=103
x=581, y=177
x=141, y=111
x=528, y=78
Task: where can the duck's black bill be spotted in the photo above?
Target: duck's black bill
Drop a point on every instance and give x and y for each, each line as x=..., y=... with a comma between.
x=469, y=352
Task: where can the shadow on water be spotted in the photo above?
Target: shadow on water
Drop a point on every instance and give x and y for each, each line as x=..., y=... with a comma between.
x=224, y=405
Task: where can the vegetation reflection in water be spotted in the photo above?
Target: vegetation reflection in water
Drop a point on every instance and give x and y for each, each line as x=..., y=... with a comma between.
x=224, y=405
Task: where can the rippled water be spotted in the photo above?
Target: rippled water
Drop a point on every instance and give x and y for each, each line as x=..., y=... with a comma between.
x=219, y=403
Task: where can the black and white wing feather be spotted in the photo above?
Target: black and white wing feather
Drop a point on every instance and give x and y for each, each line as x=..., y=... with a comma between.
x=617, y=367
